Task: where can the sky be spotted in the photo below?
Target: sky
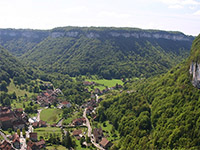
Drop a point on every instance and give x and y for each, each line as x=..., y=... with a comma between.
x=170, y=15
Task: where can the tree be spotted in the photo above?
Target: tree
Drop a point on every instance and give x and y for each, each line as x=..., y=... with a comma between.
x=18, y=132
x=13, y=96
x=82, y=140
x=10, y=130
x=3, y=86
x=67, y=141
x=88, y=140
x=24, y=132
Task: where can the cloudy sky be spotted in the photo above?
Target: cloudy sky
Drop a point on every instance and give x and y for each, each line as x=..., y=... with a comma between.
x=173, y=15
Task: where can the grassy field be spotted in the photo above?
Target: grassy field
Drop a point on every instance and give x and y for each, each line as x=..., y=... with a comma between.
x=67, y=121
x=17, y=104
x=56, y=147
x=51, y=115
x=45, y=132
x=12, y=88
x=108, y=83
x=107, y=129
x=72, y=116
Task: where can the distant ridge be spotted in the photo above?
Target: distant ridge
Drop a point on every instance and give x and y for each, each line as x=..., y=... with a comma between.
x=107, y=52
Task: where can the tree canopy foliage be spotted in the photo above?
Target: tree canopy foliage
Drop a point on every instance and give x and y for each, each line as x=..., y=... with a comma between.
x=163, y=112
x=79, y=51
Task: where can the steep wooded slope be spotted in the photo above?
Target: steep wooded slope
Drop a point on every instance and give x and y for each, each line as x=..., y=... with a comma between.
x=163, y=113
x=109, y=52
x=10, y=67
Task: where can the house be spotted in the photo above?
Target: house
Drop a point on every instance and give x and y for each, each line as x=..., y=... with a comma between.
x=39, y=124
x=12, y=119
x=42, y=123
x=98, y=134
x=77, y=134
x=87, y=83
x=33, y=136
x=6, y=146
x=35, y=124
x=97, y=91
x=89, y=110
x=79, y=121
x=16, y=141
x=65, y=104
x=105, y=143
x=36, y=145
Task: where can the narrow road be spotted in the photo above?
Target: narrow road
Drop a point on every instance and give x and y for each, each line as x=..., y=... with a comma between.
x=87, y=123
x=59, y=124
x=4, y=136
x=23, y=142
x=38, y=115
x=90, y=131
x=97, y=97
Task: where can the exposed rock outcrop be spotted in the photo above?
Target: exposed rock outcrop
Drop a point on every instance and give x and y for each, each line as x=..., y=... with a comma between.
x=195, y=72
x=123, y=33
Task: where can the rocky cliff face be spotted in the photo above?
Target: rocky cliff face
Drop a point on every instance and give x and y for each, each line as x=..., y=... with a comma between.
x=122, y=33
x=195, y=72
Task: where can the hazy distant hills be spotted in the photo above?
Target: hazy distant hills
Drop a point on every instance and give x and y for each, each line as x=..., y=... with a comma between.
x=107, y=52
x=19, y=41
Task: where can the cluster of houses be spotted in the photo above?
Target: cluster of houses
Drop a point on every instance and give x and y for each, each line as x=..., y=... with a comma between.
x=5, y=145
x=33, y=143
x=14, y=119
x=48, y=97
x=39, y=124
x=99, y=138
x=14, y=143
x=79, y=121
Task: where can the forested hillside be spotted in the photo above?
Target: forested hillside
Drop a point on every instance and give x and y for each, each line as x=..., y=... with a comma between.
x=161, y=113
x=19, y=41
x=11, y=68
x=109, y=52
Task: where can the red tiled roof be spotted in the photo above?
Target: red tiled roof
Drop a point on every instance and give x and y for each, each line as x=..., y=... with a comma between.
x=47, y=94
x=19, y=109
x=6, y=118
x=16, y=138
x=104, y=142
x=35, y=124
x=5, y=146
x=42, y=142
x=65, y=102
x=77, y=132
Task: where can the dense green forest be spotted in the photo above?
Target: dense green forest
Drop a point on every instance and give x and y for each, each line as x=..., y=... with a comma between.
x=10, y=67
x=161, y=112
x=109, y=52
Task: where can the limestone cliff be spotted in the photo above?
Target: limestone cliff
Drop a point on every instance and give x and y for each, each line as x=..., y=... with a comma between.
x=195, y=72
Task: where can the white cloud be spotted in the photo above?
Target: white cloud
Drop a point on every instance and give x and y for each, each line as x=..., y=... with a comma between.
x=197, y=13
x=113, y=15
x=176, y=6
x=180, y=3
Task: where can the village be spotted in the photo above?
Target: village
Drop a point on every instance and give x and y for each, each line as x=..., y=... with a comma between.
x=24, y=128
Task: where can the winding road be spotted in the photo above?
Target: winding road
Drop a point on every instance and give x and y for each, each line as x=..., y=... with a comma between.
x=90, y=131
x=4, y=136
